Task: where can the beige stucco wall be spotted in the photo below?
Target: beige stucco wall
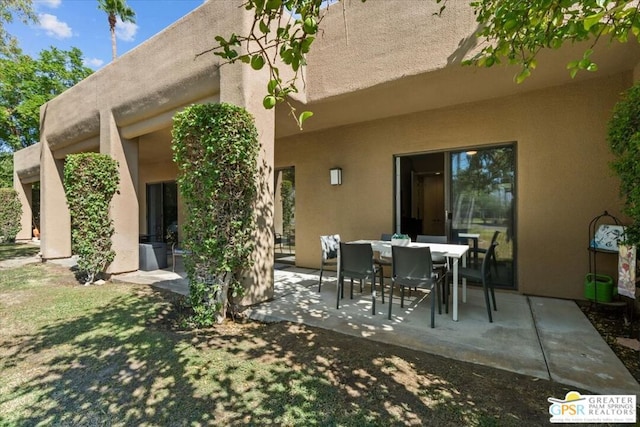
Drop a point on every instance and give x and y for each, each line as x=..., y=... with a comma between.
x=26, y=172
x=562, y=174
x=382, y=79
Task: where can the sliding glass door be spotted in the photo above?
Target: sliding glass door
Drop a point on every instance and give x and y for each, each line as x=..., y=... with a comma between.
x=162, y=211
x=467, y=195
x=482, y=198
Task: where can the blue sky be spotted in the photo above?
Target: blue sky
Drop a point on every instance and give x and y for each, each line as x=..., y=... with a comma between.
x=79, y=23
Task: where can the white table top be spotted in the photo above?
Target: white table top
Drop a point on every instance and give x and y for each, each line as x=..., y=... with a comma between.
x=469, y=235
x=449, y=250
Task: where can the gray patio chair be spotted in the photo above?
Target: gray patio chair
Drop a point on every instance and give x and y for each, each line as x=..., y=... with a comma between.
x=356, y=262
x=381, y=261
x=482, y=275
x=484, y=251
x=177, y=251
x=440, y=262
x=413, y=268
x=329, y=246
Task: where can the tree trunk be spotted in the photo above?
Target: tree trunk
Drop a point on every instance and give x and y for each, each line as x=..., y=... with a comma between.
x=113, y=43
x=222, y=298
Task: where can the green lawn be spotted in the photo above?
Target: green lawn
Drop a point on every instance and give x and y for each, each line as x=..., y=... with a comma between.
x=111, y=355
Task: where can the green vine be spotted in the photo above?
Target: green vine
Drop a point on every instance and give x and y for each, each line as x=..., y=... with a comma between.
x=215, y=148
x=10, y=212
x=624, y=140
x=90, y=181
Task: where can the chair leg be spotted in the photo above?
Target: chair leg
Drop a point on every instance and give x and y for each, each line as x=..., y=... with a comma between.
x=493, y=297
x=381, y=284
x=320, y=281
x=340, y=291
x=402, y=296
x=433, y=306
x=486, y=299
x=438, y=297
x=373, y=294
x=390, y=298
x=352, y=287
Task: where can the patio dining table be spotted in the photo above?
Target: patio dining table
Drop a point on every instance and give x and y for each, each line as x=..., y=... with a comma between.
x=453, y=252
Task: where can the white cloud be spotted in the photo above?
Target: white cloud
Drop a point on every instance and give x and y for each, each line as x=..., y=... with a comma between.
x=93, y=62
x=53, y=4
x=53, y=27
x=126, y=30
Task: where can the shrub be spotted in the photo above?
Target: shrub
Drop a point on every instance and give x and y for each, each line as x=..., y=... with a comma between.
x=90, y=181
x=10, y=213
x=624, y=140
x=216, y=148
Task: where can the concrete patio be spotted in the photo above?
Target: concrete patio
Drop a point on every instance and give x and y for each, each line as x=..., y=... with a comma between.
x=541, y=337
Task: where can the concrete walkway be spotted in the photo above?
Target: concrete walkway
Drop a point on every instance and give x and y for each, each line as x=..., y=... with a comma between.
x=542, y=337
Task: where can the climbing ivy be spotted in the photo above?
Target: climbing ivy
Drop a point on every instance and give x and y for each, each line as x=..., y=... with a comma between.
x=215, y=147
x=624, y=140
x=10, y=212
x=90, y=181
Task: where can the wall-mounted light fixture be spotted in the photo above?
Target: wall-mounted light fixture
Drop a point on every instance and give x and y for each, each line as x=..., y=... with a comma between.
x=335, y=175
x=472, y=153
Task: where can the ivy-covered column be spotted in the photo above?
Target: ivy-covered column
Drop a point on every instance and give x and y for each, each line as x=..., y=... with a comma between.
x=124, y=205
x=245, y=87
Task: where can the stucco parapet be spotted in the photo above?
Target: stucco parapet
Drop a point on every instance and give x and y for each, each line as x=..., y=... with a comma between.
x=162, y=73
x=363, y=45
x=26, y=162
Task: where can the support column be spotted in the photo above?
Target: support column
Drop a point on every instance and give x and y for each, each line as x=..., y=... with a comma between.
x=25, y=197
x=124, y=205
x=55, y=222
x=244, y=87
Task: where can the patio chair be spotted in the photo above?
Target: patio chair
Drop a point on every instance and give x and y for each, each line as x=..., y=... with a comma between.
x=176, y=251
x=356, y=262
x=381, y=261
x=329, y=246
x=439, y=260
x=413, y=268
x=482, y=275
x=484, y=251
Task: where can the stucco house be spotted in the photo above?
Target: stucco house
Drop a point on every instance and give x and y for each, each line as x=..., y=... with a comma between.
x=424, y=144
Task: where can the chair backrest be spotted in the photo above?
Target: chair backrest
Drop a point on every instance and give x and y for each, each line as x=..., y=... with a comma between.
x=330, y=245
x=495, y=236
x=413, y=263
x=424, y=238
x=491, y=253
x=356, y=259
x=386, y=237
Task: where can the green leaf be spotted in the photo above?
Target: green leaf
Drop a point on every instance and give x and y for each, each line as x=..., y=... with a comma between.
x=522, y=75
x=257, y=62
x=592, y=20
x=269, y=102
x=304, y=116
x=272, y=85
x=263, y=27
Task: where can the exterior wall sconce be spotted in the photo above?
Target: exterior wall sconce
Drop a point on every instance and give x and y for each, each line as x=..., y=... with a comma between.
x=335, y=175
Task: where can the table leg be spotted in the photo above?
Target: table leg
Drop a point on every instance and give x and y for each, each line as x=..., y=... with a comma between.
x=464, y=281
x=455, y=289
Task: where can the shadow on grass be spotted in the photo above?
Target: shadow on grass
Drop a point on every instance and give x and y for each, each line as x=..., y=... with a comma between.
x=17, y=250
x=122, y=365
